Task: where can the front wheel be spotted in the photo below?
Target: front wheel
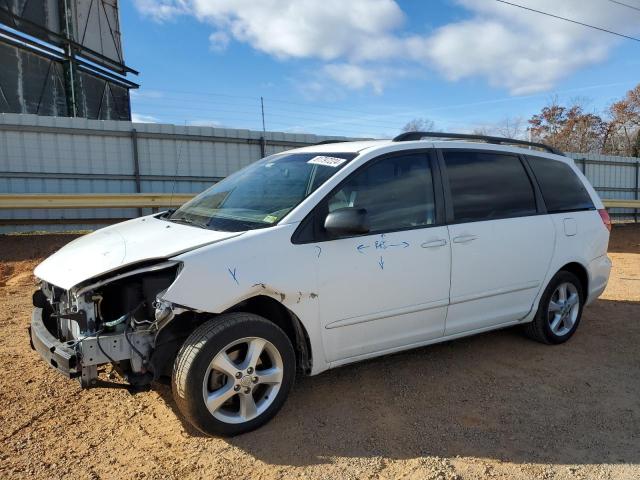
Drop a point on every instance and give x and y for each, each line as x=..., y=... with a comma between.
x=559, y=311
x=233, y=374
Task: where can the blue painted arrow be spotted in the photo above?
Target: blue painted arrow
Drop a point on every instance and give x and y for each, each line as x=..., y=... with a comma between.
x=402, y=244
x=361, y=247
x=381, y=263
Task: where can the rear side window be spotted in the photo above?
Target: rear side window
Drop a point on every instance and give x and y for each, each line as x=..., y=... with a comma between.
x=561, y=188
x=486, y=185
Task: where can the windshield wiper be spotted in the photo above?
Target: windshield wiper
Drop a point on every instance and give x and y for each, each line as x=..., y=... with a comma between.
x=188, y=221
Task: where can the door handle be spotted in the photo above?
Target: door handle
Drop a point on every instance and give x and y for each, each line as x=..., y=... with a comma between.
x=464, y=238
x=441, y=242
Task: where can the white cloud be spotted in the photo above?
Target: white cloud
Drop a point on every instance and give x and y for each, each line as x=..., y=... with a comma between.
x=327, y=29
x=144, y=94
x=521, y=50
x=219, y=41
x=141, y=118
x=162, y=10
x=360, y=42
x=354, y=77
x=204, y=123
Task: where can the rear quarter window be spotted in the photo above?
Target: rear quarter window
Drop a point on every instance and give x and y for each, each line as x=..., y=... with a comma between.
x=561, y=188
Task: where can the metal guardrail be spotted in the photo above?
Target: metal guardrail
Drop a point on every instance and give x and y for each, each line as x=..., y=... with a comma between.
x=622, y=203
x=143, y=200
x=101, y=200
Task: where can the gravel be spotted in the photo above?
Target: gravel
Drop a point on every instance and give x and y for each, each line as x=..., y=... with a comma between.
x=494, y=406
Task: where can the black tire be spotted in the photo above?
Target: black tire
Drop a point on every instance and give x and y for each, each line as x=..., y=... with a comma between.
x=199, y=350
x=540, y=329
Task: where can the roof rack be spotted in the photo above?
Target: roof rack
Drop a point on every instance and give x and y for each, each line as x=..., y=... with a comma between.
x=327, y=142
x=409, y=136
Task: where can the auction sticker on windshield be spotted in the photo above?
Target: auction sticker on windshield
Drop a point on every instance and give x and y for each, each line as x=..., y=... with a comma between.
x=327, y=161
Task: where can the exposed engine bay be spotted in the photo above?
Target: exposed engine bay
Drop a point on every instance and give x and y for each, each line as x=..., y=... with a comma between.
x=117, y=318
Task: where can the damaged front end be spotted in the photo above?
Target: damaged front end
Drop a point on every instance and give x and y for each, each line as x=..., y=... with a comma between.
x=118, y=318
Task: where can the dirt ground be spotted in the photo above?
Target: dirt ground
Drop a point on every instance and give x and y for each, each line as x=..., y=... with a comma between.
x=493, y=406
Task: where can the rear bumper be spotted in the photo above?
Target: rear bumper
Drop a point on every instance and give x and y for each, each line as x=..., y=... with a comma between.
x=599, y=270
x=59, y=355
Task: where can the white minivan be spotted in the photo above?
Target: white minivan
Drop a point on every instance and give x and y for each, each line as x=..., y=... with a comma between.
x=321, y=256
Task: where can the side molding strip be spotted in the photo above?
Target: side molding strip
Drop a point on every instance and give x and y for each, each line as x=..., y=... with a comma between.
x=388, y=313
x=495, y=293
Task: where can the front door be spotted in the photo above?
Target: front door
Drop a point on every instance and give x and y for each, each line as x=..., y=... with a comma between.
x=388, y=289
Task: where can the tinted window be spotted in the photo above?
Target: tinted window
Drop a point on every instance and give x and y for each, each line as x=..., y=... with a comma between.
x=397, y=193
x=561, y=188
x=488, y=185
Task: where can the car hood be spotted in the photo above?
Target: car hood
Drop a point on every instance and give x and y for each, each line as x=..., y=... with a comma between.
x=126, y=243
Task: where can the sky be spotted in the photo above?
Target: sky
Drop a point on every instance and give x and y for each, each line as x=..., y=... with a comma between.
x=364, y=68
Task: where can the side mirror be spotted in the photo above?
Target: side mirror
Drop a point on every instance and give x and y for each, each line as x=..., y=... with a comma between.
x=347, y=221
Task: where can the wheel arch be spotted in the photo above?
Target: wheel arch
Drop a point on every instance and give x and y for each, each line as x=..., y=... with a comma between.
x=579, y=271
x=575, y=267
x=537, y=327
x=274, y=311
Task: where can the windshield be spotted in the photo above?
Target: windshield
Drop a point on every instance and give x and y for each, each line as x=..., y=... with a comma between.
x=261, y=194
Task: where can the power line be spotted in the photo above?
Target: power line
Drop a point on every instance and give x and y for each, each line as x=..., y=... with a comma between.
x=171, y=115
x=201, y=114
x=625, y=5
x=228, y=95
x=287, y=122
x=204, y=105
x=376, y=116
x=232, y=109
x=254, y=100
x=194, y=112
x=296, y=123
x=570, y=20
x=269, y=114
x=172, y=103
x=330, y=116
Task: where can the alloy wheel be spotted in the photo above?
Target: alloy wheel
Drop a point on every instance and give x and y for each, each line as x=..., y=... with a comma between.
x=563, y=309
x=243, y=380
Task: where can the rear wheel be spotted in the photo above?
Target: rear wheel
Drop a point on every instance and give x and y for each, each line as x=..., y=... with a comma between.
x=233, y=374
x=559, y=311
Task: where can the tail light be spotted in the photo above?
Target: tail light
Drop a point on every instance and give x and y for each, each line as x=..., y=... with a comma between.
x=604, y=215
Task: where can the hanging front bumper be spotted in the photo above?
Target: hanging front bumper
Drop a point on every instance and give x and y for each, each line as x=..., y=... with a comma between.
x=59, y=355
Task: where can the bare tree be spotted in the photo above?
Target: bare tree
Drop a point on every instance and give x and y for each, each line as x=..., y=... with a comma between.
x=512, y=128
x=509, y=128
x=622, y=137
x=569, y=128
x=419, y=125
x=483, y=130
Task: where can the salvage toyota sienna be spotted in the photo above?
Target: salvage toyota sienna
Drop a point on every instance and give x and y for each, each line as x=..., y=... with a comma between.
x=321, y=256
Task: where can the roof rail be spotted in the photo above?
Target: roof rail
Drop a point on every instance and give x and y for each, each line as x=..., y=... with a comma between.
x=327, y=142
x=408, y=136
